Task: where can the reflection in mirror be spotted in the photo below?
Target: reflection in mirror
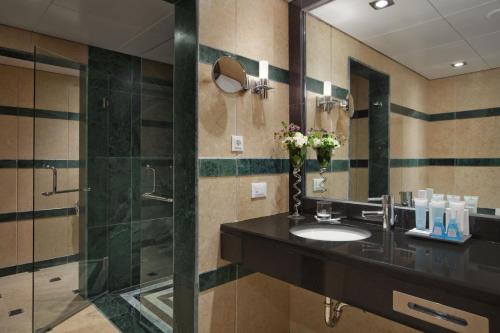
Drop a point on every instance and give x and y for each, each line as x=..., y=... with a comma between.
x=431, y=123
x=229, y=75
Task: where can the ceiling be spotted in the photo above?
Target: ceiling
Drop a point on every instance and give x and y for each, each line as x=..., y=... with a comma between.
x=425, y=35
x=143, y=28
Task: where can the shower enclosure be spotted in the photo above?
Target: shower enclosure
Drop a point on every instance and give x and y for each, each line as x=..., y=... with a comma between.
x=92, y=210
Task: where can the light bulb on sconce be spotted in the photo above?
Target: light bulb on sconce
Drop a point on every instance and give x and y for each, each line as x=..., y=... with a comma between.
x=262, y=84
x=327, y=88
x=326, y=102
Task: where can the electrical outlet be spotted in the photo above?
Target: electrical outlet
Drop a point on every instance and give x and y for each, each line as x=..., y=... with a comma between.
x=259, y=190
x=236, y=143
x=317, y=184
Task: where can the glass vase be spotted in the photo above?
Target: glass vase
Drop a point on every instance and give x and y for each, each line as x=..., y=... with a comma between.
x=297, y=156
x=324, y=155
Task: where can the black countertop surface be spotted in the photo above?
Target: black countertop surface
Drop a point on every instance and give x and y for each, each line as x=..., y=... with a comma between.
x=473, y=268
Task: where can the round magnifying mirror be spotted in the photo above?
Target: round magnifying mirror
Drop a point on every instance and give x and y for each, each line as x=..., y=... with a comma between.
x=229, y=75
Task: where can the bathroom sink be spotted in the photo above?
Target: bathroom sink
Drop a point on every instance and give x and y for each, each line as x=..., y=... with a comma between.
x=330, y=232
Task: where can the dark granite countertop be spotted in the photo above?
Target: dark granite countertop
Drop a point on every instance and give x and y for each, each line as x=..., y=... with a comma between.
x=473, y=267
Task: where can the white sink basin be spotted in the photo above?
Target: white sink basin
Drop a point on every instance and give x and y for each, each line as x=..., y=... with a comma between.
x=330, y=232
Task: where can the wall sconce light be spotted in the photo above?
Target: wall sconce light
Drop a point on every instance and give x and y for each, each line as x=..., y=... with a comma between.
x=262, y=84
x=326, y=102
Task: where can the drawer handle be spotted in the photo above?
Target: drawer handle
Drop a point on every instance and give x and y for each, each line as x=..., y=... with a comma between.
x=438, y=314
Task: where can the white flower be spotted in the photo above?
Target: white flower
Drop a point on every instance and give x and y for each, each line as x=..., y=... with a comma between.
x=316, y=142
x=299, y=139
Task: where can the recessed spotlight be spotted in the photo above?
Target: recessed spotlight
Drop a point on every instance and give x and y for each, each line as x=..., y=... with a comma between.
x=458, y=64
x=381, y=4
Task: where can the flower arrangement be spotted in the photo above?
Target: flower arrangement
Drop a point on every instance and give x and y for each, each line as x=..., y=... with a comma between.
x=324, y=143
x=292, y=139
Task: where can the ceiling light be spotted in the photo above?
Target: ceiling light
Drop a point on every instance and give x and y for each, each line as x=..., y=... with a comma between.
x=458, y=64
x=381, y=4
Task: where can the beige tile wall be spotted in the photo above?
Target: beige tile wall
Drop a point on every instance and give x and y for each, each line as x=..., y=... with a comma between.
x=54, y=139
x=257, y=30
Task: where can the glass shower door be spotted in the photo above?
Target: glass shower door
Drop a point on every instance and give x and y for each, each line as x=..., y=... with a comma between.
x=58, y=183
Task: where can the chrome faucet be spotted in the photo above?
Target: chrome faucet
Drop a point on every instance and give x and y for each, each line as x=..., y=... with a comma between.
x=387, y=211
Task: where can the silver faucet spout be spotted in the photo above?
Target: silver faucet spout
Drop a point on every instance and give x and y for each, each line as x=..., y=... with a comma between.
x=387, y=211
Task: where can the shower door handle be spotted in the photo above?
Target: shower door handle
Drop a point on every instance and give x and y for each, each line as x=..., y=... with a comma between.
x=54, y=185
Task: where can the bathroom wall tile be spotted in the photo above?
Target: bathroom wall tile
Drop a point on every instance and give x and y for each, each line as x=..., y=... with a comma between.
x=441, y=179
x=343, y=47
x=395, y=134
x=217, y=26
x=413, y=137
x=477, y=137
x=359, y=184
x=73, y=140
x=217, y=117
x=280, y=31
x=441, y=139
x=98, y=196
x=98, y=123
x=53, y=90
x=25, y=189
x=8, y=190
x=74, y=97
x=414, y=179
x=24, y=241
x=8, y=137
x=62, y=48
x=307, y=316
x=359, y=91
x=441, y=96
x=8, y=244
x=257, y=120
x=319, y=49
x=14, y=38
x=220, y=193
x=51, y=139
x=73, y=182
x=73, y=235
x=275, y=202
x=119, y=198
x=8, y=85
x=481, y=181
x=360, y=138
x=25, y=138
x=477, y=90
x=120, y=126
x=51, y=238
x=258, y=31
x=216, y=309
x=26, y=89
x=396, y=180
x=262, y=304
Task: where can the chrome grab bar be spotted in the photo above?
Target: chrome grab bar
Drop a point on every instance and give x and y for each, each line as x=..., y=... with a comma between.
x=153, y=195
x=54, y=185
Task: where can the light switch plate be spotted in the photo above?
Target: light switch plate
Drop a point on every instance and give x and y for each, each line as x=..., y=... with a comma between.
x=317, y=184
x=259, y=190
x=236, y=143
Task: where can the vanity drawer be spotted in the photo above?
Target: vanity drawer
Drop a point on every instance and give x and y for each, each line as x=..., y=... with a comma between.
x=439, y=314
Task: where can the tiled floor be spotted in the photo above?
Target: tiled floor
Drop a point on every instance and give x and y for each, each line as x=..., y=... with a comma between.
x=54, y=295
x=145, y=309
x=88, y=320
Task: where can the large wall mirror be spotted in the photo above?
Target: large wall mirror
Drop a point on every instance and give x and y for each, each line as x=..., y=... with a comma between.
x=425, y=81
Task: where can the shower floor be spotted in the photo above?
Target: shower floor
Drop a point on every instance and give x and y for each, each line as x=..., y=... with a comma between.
x=141, y=309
